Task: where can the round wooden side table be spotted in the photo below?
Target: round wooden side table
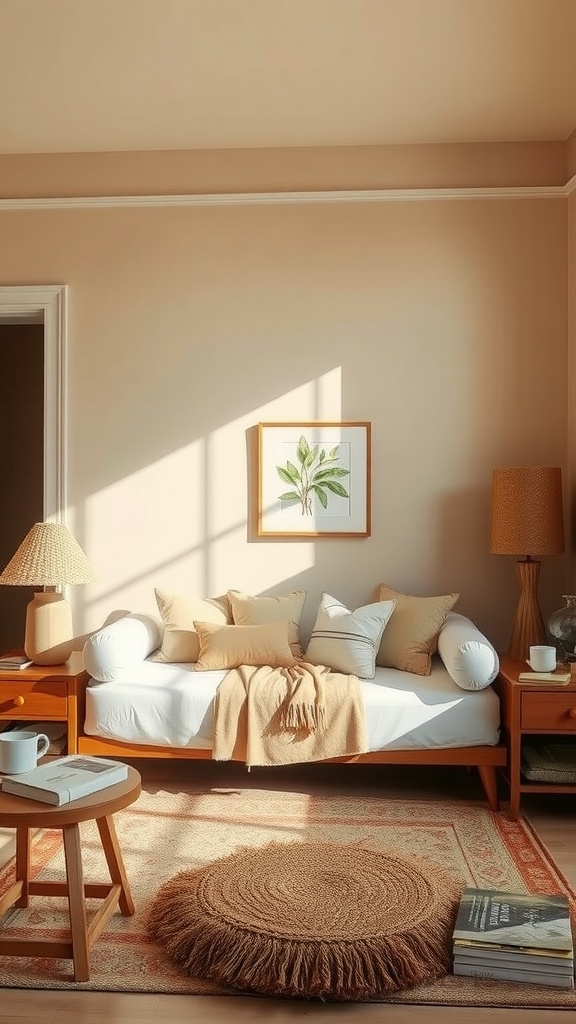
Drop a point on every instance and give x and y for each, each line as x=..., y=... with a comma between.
x=24, y=814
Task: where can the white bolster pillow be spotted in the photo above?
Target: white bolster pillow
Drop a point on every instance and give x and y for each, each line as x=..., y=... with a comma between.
x=469, y=657
x=120, y=645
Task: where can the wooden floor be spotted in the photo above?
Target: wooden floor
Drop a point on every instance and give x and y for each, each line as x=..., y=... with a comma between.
x=554, y=817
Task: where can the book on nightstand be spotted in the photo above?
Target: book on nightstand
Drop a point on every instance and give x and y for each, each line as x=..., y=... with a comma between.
x=66, y=779
x=561, y=674
x=514, y=937
x=11, y=663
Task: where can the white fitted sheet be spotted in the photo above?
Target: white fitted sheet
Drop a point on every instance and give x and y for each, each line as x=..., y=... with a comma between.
x=172, y=705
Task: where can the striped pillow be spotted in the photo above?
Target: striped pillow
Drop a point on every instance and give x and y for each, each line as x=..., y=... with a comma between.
x=348, y=641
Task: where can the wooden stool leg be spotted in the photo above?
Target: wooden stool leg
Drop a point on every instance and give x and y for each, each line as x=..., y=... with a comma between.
x=115, y=863
x=76, y=902
x=23, y=864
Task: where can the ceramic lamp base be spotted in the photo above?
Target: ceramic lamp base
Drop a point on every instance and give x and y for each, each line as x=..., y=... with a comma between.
x=49, y=635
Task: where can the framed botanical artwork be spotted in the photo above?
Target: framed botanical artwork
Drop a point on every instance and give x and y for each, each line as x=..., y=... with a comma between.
x=314, y=479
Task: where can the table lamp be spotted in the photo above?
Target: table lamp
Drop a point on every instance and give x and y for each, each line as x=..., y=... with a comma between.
x=48, y=557
x=527, y=519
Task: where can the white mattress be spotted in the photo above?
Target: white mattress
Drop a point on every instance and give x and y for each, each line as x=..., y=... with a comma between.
x=172, y=705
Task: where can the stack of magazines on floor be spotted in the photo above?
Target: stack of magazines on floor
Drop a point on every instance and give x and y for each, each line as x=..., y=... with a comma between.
x=510, y=936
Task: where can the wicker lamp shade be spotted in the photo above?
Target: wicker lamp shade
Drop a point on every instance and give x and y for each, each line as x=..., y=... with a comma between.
x=527, y=519
x=49, y=556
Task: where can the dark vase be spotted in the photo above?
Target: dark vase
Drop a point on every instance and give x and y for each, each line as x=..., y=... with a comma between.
x=562, y=628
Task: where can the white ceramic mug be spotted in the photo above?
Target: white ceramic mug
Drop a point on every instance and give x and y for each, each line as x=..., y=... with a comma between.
x=542, y=658
x=21, y=750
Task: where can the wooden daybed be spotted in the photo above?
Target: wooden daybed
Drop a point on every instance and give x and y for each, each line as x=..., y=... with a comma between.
x=487, y=758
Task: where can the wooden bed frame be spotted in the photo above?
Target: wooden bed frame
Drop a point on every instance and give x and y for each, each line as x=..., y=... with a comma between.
x=487, y=759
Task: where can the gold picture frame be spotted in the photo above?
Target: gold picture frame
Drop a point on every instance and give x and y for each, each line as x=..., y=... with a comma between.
x=314, y=479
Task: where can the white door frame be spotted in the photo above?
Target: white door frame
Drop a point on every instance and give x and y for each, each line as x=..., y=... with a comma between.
x=46, y=304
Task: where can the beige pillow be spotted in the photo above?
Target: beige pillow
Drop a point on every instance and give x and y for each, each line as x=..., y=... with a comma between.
x=347, y=641
x=178, y=612
x=257, y=611
x=410, y=638
x=231, y=646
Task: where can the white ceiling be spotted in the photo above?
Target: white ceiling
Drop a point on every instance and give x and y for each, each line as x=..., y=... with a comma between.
x=104, y=75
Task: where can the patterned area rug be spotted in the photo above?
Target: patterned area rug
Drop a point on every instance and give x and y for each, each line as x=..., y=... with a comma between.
x=165, y=833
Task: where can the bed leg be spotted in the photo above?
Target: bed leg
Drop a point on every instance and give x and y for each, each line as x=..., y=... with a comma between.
x=490, y=783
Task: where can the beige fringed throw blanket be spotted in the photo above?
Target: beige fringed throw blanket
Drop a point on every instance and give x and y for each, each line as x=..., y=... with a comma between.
x=273, y=716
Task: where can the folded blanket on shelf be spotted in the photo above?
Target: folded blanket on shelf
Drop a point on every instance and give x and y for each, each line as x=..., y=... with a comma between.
x=273, y=716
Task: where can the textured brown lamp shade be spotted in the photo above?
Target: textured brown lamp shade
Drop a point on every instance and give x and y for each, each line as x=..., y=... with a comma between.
x=527, y=519
x=48, y=557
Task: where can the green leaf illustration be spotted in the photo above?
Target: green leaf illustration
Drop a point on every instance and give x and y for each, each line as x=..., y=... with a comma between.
x=311, y=457
x=302, y=450
x=317, y=477
x=286, y=476
x=292, y=473
x=336, y=488
x=321, y=495
x=327, y=474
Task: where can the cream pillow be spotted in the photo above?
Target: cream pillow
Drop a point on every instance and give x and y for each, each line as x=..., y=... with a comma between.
x=257, y=611
x=347, y=641
x=231, y=646
x=120, y=645
x=178, y=611
x=469, y=657
x=411, y=637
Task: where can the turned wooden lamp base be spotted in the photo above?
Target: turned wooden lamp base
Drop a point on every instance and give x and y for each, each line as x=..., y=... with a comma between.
x=528, y=627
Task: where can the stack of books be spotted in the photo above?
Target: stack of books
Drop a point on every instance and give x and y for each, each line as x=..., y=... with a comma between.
x=514, y=937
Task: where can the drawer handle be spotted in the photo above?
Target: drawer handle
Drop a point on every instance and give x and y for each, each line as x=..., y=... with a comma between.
x=572, y=713
x=18, y=701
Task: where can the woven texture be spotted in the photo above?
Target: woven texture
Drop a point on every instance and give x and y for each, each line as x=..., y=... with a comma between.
x=49, y=556
x=310, y=919
x=165, y=832
x=550, y=762
x=527, y=511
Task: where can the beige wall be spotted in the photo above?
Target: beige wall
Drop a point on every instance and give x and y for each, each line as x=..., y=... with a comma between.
x=443, y=323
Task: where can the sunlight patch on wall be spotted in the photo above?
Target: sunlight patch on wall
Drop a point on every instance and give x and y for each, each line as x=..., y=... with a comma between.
x=182, y=523
x=231, y=489
x=148, y=530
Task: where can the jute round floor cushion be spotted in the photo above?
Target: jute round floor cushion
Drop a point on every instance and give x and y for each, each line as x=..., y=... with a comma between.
x=309, y=919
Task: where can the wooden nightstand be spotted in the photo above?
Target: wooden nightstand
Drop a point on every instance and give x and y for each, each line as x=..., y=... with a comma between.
x=532, y=709
x=43, y=693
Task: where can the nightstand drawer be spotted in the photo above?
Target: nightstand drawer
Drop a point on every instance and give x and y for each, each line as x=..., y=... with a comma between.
x=542, y=711
x=33, y=700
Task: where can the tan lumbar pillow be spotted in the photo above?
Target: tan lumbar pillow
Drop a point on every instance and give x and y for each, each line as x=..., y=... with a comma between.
x=411, y=636
x=257, y=611
x=178, y=611
x=231, y=646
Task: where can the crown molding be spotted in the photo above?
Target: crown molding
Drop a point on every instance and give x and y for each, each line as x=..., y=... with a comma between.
x=394, y=195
